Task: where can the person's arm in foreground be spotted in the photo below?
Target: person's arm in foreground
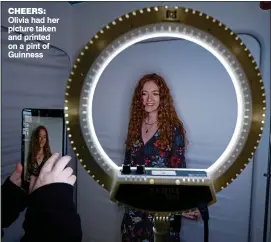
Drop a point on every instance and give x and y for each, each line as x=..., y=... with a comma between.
x=13, y=198
x=51, y=215
x=177, y=160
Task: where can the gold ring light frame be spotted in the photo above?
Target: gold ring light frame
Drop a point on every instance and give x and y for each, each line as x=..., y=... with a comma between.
x=176, y=22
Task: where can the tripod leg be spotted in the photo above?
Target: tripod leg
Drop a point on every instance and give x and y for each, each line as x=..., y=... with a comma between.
x=161, y=229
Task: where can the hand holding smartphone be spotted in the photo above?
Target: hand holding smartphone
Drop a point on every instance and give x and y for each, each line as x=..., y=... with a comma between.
x=43, y=133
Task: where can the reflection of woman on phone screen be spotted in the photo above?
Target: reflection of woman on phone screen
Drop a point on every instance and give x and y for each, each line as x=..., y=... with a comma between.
x=39, y=151
x=156, y=138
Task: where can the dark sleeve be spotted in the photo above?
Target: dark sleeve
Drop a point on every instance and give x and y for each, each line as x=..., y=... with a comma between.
x=51, y=215
x=127, y=157
x=13, y=202
x=177, y=158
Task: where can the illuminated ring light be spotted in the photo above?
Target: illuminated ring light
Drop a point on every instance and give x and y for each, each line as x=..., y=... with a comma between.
x=176, y=22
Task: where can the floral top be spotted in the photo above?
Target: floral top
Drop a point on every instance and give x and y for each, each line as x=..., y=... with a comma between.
x=150, y=155
x=138, y=225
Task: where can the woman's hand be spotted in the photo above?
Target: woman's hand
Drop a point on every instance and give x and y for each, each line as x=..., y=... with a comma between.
x=193, y=215
x=53, y=171
x=16, y=176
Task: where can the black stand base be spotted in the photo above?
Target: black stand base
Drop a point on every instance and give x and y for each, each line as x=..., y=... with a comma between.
x=203, y=208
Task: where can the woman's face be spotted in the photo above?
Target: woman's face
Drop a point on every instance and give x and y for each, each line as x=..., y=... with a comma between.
x=42, y=138
x=150, y=96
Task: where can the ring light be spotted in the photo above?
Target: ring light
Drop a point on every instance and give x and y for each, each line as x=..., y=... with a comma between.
x=156, y=22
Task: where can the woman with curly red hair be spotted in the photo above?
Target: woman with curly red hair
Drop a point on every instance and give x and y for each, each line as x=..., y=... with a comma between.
x=156, y=138
x=39, y=151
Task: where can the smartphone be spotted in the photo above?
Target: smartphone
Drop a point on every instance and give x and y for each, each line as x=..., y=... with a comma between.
x=43, y=133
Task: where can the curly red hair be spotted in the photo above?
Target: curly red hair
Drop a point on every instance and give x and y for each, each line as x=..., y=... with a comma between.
x=167, y=116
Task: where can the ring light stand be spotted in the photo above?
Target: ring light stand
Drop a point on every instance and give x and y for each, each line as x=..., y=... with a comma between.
x=173, y=190
x=267, y=194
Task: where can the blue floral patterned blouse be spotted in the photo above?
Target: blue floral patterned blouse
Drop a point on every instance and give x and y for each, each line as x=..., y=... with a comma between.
x=138, y=226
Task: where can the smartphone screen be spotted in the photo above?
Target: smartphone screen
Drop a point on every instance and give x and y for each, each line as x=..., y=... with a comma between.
x=43, y=133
